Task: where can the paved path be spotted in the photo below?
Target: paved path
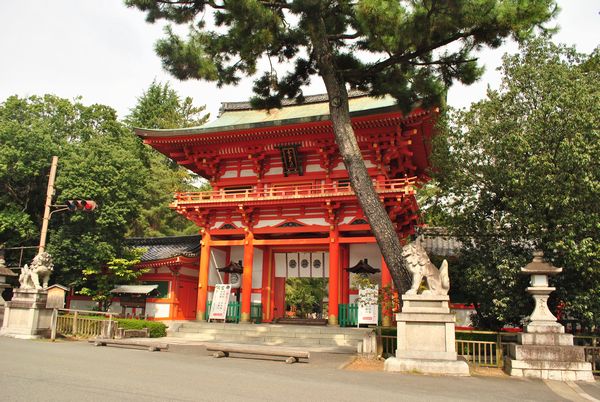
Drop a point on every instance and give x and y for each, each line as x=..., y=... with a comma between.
x=78, y=371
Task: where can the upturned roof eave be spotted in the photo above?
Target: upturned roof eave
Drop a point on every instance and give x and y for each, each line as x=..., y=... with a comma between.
x=179, y=132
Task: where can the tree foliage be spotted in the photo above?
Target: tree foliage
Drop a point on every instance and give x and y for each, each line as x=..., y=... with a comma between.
x=412, y=50
x=100, y=280
x=306, y=294
x=160, y=107
x=99, y=159
x=520, y=171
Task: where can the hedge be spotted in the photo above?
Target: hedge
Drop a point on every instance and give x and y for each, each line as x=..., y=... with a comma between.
x=156, y=329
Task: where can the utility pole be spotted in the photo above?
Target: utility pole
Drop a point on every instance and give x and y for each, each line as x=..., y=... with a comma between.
x=49, y=195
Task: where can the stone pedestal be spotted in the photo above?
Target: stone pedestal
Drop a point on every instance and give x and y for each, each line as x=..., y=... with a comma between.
x=544, y=350
x=547, y=353
x=426, y=338
x=26, y=315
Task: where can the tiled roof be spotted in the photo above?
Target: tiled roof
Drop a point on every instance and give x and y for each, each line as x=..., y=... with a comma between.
x=160, y=248
x=436, y=241
x=134, y=289
x=239, y=115
x=319, y=98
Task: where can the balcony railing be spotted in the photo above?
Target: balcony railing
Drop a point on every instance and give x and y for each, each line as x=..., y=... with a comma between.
x=303, y=191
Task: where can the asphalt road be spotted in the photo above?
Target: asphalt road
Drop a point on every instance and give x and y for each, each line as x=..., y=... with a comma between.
x=78, y=371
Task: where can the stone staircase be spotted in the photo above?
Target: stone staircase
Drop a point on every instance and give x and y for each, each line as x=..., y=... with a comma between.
x=270, y=334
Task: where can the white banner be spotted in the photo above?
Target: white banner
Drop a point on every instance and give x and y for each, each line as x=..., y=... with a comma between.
x=368, y=305
x=220, y=300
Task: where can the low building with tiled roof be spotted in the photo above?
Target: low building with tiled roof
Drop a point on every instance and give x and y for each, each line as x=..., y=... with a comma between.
x=172, y=266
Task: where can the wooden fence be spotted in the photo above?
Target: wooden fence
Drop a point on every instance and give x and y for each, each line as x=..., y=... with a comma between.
x=82, y=323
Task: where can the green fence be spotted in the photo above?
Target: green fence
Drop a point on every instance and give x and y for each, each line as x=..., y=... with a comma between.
x=233, y=312
x=348, y=315
x=591, y=346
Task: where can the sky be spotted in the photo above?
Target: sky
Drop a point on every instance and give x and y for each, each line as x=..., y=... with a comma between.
x=103, y=52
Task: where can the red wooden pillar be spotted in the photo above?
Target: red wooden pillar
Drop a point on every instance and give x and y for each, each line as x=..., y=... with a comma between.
x=334, y=275
x=247, y=277
x=265, y=297
x=203, y=276
x=386, y=286
x=345, y=274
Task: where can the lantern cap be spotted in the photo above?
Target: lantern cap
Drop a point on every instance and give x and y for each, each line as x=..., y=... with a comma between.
x=539, y=266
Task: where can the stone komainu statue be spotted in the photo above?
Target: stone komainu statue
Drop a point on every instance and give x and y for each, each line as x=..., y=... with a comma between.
x=37, y=275
x=420, y=266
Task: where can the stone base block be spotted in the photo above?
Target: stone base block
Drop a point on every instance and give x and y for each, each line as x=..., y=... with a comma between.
x=426, y=366
x=545, y=327
x=547, y=352
x=549, y=370
x=26, y=315
x=555, y=339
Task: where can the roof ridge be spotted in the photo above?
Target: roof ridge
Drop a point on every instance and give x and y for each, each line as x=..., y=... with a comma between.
x=317, y=98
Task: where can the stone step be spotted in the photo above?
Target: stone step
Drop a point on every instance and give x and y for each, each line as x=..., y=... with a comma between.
x=235, y=328
x=270, y=340
x=270, y=334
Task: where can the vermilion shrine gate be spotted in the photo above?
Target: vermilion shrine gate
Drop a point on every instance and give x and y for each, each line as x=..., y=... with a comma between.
x=281, y=201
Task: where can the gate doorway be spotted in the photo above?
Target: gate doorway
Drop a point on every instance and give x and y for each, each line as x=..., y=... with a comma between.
x=306, y=298
x=301, y=285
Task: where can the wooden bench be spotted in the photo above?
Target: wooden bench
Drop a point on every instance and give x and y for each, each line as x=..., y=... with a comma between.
x=223, y=350
x=152, y=347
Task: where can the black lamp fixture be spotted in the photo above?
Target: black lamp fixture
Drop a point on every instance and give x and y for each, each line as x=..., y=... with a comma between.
x=363, y=267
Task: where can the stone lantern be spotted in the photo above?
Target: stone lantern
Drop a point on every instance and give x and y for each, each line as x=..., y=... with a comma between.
x=541, y=320
x=4, y=274
x=543, y=350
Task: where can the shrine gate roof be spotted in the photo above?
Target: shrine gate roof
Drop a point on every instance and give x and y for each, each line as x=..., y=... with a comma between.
x=240, y=115
x=160, y=248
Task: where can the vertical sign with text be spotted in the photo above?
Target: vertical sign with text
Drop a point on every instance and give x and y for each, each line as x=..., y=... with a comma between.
x=220, y=300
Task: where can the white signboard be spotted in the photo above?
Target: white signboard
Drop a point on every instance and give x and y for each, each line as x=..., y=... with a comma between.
x=220, y=300
x=368, y=305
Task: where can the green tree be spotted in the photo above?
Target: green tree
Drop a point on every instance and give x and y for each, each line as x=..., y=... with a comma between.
x=306, y=294
x=410, y=49
x=31, y=131
x=100, y=280
x=520, y=170
x=160, y=107
x=105, y=168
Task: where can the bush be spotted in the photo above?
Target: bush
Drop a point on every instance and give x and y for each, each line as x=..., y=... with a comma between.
x=156, y=329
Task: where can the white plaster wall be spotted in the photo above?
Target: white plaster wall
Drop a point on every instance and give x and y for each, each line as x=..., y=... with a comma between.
x=157, y=310
x=217, y=256
x=229, y=174
x=341, y=166
x=237, y=254
x=369, y=251
x=247, y=173
x=257, y=268
x=314, y=221
x=347, y=219
x=314, y=168
x=280, y=270
x=268, y=222
x=84, y=305
x=274, y=171
x=255, y=298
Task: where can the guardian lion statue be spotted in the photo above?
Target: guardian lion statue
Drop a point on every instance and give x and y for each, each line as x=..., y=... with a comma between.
x=420, y=266
x=37, y=275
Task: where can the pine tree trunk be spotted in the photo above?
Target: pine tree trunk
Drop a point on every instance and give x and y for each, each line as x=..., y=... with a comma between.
x=361, y=182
